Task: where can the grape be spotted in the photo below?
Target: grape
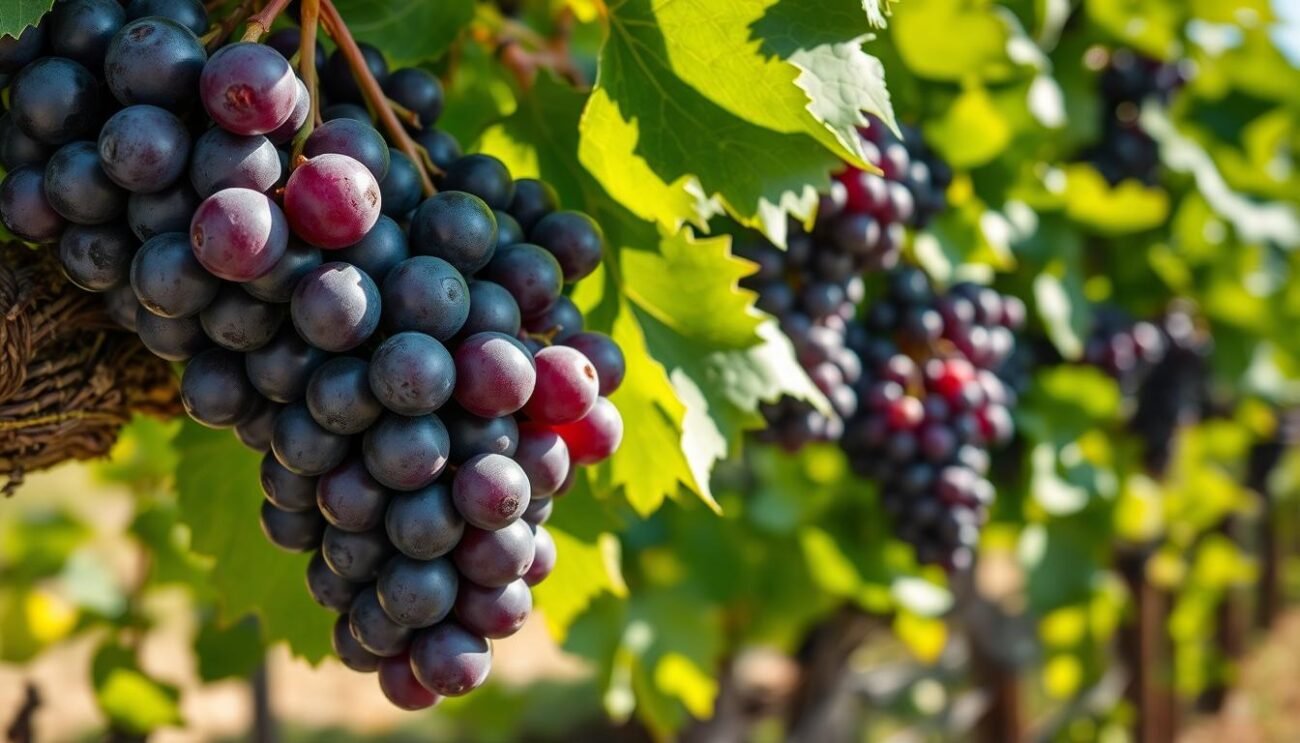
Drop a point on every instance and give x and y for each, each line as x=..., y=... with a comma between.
x=350, y=651
x=82, y=29
x=491, y=310
x=239, y=234
x=169, y=210
x=561, y=322
x=597, y=436
x=398, y=682
x=355, y=556
x=418, y=92
x=55, y=101
x=291, y=531
x=472, y=435
x=417, y=593
x=215, y=390
x=122, y=306
x=543, y=559
x=399, y=190
x=412, y=374
x=340, y=85
x=567, y=386
x=332, y=201
x=495, y=558
x=426, y=294
x=280, y=369
x=456, y=227
x=335, y=307
x=237, y=321
x=406, y=453
x=482, y=175
x=495, y=375
x=168, y=280
x=248, y=88
x=97, y=258
x=357, y=140
x=493, y=613
x=24, y=208
x=16, y=148
x=78, y=188
x=155, y=61
x=605, y=355
x=255, y=429
x=327, y=588
x=188, y=13
x=544, y=458
x=531, y=275
x=372, y=628
x=284, y=134
x=288, y=41
x=174, y=339
x=383, y=247
x=144, y=148
x=424, y=524
x=490, y=490
x=223, y=160
x=574, y=239
x=277, y=284
x=339, y=396
x=304, y=447
x=350, y=499
x=508, y=230
x=442, y=147
x=533, y=200
x=449, y=660
x=346, y=111
x=539, y=511
x=18, y=52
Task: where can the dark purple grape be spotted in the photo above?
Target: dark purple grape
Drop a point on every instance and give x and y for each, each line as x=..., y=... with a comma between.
x=350, y=652
x=78, y=188
x=277, y=284
x=224, y=160
x=248, y=88
x=292, y=531
x=383, y=247
x=188, y=13
x=357, y=140
x=496, y=375
x=339, y=396
x=332, y=201
x=237, y=321
x=491, y=491
x=350, y=499
x=424, y=524
x=418, y=91
x=544, y=556
x=494, y=613
x=17, y=148
x=472, y=435
x=544, y=458
x=372, y=628
x=355, y=556
x=280, y=369
x=457, y=227
x=340, y=85
x=400, y=189
x=155, y=61
x=533, y=200
x=412, y=374
x=174, y=339
x=97, y=258
x=304, y=447
x=508, y=230
x=327, y=588
x=82, y=29
x=426, y=294
x=215, y=390
x=417, y=593
x=346, y=111
x=491, y=309
x=122, y=306
x=398, y=683
x=561, y=322
x=239, y=234
x=449, y=660
x=406, y=453
x=539, y=511
x=285, y=133
x=482, y=175
x=531, y=275
x=144, y=148
x=495, y=558
x=574, y=239
x=605, y=355
x=254, y=430
x=55, y=101
x=442, y=147
x=288, y=491
x=20, y=51
x=168, y=280
x=25, y=210
x=335, y=307
x=169, y=210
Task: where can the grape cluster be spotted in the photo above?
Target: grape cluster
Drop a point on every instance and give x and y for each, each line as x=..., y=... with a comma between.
x=1126, y=151
x=932, y=406
x=1125, y=349
x=418, y=382
x=815, y=286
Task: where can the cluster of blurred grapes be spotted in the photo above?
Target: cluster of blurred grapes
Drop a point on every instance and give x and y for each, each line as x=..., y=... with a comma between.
x=1127, y=80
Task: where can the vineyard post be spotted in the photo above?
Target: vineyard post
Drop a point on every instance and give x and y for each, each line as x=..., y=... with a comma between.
x=1144, y=641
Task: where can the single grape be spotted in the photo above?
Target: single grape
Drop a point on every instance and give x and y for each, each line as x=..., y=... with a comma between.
x=533, y=200
x=543, y=558
x=25, y=210
x=350, y=499
x=339, y=396
x=277, y=284
x=482, y=175
x=215, y=390
x=239, y=234
x=383, y=247
x=339, y=83
x=78, y=188
x=357, y=140
x=55, y=101
x=280, y=369
x=304, y=447
x=155, y=61
x=457, y=227
x=426, y=294
x=169, y=210
x=472, y=435
x=539, y=511
x=189, y=13
x=399, y=190
x=237, y=321
x=82, y=29
x=495, y=375
x=491, y=310
x=491, y=491
x=288, y=41
x=254, y=430
x=335, y=307
x=355, y=556
x=417, y=593
x=412, y=374
x=561, y=322
x=168, y=280
x=418, y=91
x=406, y=453
x=350, y=651
x=449, y=660
x=292, y=531
x=248, y=88
x=398, y=683
x=223, y=160
x=567, y=386
x=494, y=613
x=284, y=134
x=16, y=52
x=531, y=275
x=332, y=201
x=122, y=306
x=144, y=148
x=596, y=437
x=97, y=258
x=442, y=147
x=372, y=628
x=174, y=339
x=346, y=111
x=424, y=524
x=575, y=240
x=327, y=588
x=495, y=558
x=605, y=355
x=544, y=458
x=508, y=230
x=17, y=148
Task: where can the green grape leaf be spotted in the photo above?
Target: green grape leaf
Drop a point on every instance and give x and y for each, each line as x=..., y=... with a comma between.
x=233, y=651
x=219, y=492
x=953, y=40
x=131, y=700
x=1152, y=26
x=972, y=131
x=409, y=32
x=17, y=15
x=1125, y=208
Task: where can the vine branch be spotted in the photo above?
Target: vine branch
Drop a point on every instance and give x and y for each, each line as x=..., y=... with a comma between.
x=261, y=22
x=307, y=66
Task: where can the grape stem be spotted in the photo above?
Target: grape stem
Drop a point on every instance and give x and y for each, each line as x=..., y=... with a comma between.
x=374, y=94
x=218, y=35
x=307, y=66
x=523, y=51
x=260, y=23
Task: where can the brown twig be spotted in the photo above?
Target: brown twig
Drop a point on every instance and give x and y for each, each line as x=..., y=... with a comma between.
x=260, y=23
x=21, y=729
x=218, y=35
x=374, y=94
x=307, y=66
x=523, y=51
x=408, y=117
